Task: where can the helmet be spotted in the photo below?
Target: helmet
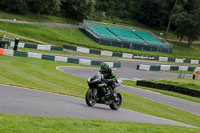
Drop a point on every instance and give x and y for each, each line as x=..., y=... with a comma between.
x=104, y=67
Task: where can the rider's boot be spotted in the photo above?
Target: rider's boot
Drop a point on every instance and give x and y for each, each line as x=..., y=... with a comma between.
x=108, y=92
x=108, y=101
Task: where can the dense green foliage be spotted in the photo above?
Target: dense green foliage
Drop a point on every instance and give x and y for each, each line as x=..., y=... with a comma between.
x=78, y=9
x=44, y=6
x=182, y=16
x=187, y=20
x=154, y=13
x=18, y=6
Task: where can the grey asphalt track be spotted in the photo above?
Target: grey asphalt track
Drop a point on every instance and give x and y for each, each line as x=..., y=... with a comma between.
x=178, y=103
x=26, y=101
x=128, y=68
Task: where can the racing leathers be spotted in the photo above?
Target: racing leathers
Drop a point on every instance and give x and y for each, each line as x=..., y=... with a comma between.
x=110, y=78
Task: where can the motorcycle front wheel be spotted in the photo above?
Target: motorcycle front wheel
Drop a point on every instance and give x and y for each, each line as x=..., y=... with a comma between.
x=89, y=98
x=117, y=102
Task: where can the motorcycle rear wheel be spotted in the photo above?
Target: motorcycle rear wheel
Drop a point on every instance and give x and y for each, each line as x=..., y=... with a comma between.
x=90, y=100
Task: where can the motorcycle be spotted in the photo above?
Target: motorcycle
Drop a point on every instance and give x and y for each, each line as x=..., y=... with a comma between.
x=97, y=92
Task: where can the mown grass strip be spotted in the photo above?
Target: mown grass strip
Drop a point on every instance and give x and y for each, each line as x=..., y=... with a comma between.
x=186, y=82
x=40, y=74
x=31, y=124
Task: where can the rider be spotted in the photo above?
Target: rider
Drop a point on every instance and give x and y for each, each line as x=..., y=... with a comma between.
x=109, y=77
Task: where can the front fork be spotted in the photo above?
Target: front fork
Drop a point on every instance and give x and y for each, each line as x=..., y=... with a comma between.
x=94, y=93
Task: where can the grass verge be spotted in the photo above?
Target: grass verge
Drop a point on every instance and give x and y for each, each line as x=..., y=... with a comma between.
x=187, y=72
x=187, y=82
x=133, y=84
x=31, y=124
x=42, y=75
x=34, y=18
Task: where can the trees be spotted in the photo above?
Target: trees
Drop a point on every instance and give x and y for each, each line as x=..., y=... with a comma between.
x=17, y=6
x=188, y=26
x=188, y=22
x=35, y=6
x=182, y=15
x=117, y=8
x=177, y=6
x=44, y=6
x=78, y=9
x=152, y=12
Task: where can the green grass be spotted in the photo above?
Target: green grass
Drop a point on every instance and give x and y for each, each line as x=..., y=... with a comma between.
x=10, y=123
x=133, y=84
x=187, y=82
x=34, y=18
x=46, y=34
x=42, y=75
x=181, y=50
x=22, y=39
x=187, y=72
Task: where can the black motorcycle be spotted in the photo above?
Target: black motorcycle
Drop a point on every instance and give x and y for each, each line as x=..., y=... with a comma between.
x=97, y=92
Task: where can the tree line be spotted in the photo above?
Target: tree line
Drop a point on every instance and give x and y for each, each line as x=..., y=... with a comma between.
x=182, y=16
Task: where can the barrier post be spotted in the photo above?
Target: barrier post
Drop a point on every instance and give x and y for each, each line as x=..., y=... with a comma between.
x=16, y=44
x=180, y=74
x=183, y=75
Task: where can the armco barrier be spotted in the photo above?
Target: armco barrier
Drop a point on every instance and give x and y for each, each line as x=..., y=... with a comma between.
x=35, y=46
x=106, y=53
x=166, y=68
x=130, y=56
x=57, y=58
x=168, y=87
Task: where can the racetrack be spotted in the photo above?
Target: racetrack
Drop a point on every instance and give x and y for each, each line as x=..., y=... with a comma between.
x=178, y=103
x=26, y=101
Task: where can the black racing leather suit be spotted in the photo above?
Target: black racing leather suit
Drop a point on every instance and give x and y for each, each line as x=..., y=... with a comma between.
x=110, y=78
